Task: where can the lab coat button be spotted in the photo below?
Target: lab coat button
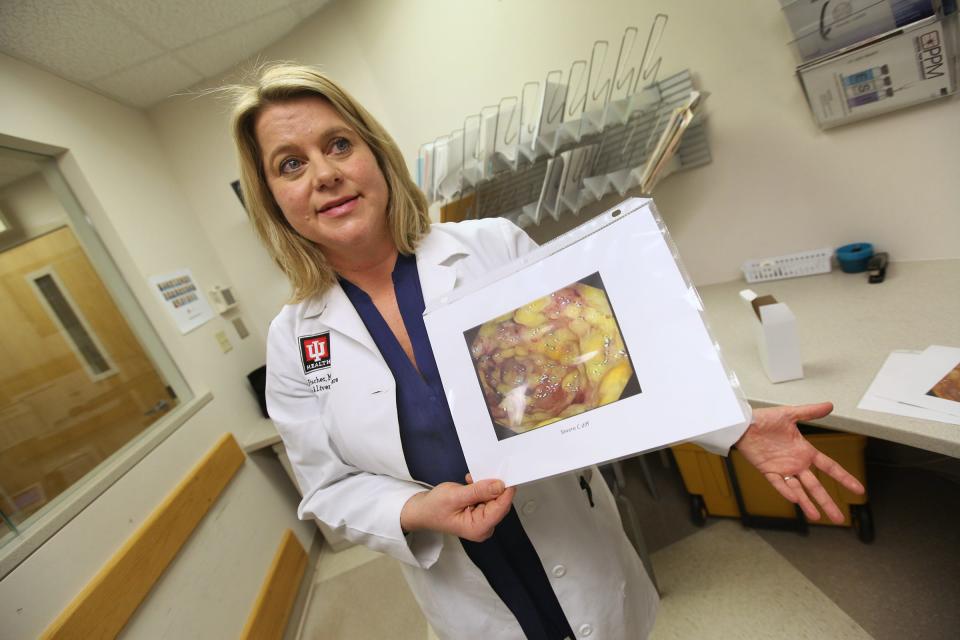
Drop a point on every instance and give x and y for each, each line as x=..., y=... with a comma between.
x=559, y=571
x=529, y=506
x=585, y=630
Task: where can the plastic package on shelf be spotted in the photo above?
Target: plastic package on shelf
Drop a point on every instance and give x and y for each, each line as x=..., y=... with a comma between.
x=908, y=66
x=592, y=348
x=823, y=26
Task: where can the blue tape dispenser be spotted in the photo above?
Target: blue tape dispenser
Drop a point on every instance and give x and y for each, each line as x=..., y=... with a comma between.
x=853, y=258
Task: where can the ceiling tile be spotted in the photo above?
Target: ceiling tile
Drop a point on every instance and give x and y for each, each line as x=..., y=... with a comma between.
x=175, y=23
x=77, y=39
x=150, y=82
x=223, y=51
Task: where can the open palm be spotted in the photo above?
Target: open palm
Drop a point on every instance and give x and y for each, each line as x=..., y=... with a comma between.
x=775, y=446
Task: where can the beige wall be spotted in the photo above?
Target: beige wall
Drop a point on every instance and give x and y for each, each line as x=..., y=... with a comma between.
x=158, y=192
x=195, y=138
x=777, y=184
x=127, y=187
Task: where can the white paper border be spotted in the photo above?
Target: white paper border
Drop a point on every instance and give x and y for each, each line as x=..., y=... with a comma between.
x=686, y=388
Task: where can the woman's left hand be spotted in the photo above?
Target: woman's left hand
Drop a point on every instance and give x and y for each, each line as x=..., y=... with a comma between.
x=775, y=446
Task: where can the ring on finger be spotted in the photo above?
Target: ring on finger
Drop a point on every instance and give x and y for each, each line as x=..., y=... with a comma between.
x=785, y=478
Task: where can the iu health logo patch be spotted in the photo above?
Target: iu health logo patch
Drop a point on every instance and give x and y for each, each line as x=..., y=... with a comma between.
x=315, y=352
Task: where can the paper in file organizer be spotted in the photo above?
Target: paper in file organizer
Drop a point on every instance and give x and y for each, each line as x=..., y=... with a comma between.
x=589, y=349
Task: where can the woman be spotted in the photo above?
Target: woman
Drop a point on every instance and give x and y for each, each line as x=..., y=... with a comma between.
x=354, y=390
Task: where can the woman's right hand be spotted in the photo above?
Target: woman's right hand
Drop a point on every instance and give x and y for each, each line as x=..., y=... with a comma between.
x=467, y=511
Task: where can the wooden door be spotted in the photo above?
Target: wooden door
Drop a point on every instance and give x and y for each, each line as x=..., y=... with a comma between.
x=75, y=384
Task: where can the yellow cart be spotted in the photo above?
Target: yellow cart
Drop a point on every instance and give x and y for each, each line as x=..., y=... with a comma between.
x=732, y=487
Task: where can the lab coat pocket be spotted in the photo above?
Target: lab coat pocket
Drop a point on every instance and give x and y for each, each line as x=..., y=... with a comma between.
x=366, y=427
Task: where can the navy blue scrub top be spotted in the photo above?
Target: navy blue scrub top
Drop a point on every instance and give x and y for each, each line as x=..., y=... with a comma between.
x=434, y=455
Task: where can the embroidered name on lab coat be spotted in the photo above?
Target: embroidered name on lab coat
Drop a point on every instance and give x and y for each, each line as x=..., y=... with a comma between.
x=322, y=382
x=315, y=351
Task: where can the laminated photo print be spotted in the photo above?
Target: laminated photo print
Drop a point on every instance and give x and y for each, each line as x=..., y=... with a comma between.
x=947, y=387
x=556, y=357
x=589, y=349
x=936, y=383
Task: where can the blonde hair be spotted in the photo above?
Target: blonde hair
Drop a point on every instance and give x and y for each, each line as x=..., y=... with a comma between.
x=300, y=259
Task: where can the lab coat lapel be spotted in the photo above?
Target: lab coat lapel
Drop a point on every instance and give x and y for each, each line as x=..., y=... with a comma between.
x=437, y=256
x=335, y=310
x=374, y=425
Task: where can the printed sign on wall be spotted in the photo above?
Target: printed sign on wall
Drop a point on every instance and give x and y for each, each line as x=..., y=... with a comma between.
x=179, y=294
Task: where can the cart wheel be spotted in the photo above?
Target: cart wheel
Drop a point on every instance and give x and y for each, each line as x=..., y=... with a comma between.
x=698, y=510
x=862, y=518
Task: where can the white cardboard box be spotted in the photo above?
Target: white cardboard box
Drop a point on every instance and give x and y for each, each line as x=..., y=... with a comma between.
x=778, y=342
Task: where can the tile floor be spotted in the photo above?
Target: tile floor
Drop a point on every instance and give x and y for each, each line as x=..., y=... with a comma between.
x=721, y=582
x=724, y=581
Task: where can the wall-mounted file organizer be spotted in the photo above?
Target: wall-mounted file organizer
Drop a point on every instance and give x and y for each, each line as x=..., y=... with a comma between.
x=912, y=63
x=571, y=139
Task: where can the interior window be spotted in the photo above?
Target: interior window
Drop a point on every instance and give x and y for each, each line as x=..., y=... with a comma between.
x=77, y=383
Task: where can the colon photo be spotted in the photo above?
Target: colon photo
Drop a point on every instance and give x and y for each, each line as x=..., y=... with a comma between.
x=553, y=358
x=948, y=387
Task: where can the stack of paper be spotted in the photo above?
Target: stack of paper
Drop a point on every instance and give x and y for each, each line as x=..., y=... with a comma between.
x=659, y=163
x=918, y=384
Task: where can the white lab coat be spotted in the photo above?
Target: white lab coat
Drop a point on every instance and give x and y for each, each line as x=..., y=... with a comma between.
x=339, y=426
